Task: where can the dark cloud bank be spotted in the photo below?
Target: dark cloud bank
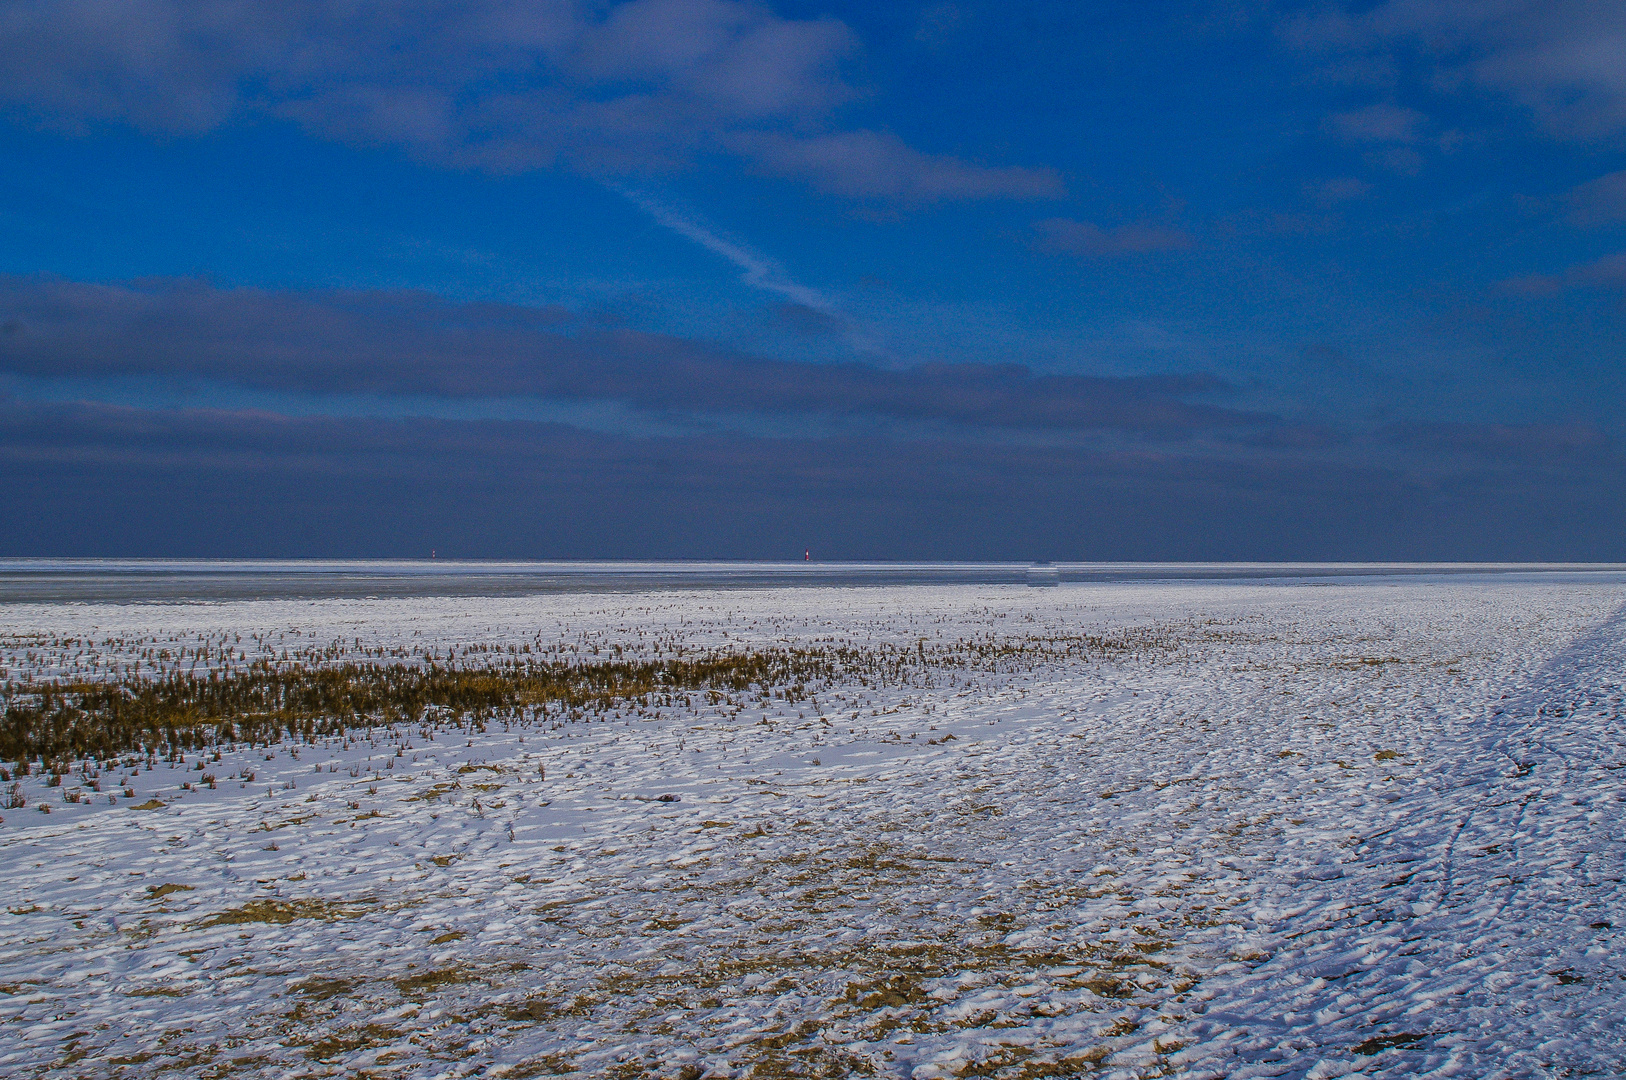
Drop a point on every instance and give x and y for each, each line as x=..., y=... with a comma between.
x=100, y=480
x=411, y=343
x=990, y=461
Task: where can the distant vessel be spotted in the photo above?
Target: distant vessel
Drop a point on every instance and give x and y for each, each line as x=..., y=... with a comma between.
x=1043, y=575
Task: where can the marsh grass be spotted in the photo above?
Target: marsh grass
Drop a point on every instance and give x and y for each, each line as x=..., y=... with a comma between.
x=180, y=711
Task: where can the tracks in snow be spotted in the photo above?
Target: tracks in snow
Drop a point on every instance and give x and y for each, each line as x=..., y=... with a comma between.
x=1484, y=908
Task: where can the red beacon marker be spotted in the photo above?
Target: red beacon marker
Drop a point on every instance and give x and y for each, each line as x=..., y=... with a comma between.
x=807, y=556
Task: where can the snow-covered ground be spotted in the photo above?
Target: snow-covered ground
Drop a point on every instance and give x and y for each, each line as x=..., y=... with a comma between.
x=1281, y=829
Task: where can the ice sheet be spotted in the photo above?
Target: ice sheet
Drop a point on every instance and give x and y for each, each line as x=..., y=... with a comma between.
x=1285, y=831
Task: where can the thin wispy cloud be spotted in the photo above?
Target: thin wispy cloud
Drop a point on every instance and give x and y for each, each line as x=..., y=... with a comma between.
x=757, y=270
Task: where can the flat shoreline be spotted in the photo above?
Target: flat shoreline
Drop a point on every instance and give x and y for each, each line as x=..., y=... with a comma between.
x=55, y=581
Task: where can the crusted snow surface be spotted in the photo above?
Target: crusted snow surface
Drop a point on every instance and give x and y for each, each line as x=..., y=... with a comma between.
x=1372, y=827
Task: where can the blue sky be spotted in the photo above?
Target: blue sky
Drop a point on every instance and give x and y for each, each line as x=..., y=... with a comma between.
x=703, y=278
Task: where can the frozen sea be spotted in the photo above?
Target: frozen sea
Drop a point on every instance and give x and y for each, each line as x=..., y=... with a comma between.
x=1295, y=821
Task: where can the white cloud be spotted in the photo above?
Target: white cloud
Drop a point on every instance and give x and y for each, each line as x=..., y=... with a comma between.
x=866, y=164
x=1064, y=236
x=1338, y=189
x=1376, y=123
x=1560, y=58
x=1599, y=202
x=1607, y=273
x=504, y=85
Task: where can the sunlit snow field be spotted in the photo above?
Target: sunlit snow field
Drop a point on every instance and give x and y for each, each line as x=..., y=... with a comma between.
x=1270, y=828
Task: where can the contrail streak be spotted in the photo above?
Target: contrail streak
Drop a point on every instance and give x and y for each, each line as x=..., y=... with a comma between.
x=759, y=271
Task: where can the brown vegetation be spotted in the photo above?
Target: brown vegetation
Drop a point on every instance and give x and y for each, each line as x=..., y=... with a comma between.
x=311, y=697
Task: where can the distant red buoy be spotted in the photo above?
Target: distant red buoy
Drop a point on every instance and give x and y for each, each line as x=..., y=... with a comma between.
x=807, y=556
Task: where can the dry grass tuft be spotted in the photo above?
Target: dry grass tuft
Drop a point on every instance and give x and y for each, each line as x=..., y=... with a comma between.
x=283, y=911
x=430, y=981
